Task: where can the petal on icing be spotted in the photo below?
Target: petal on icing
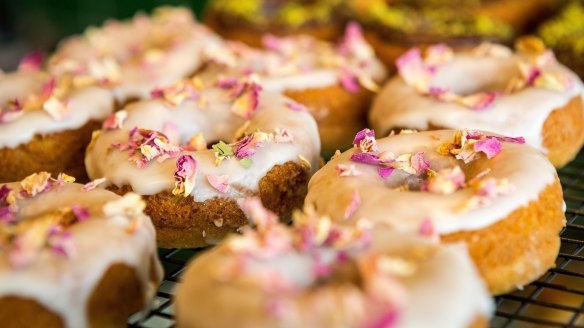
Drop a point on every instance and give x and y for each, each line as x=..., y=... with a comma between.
x=81, y=212
x=519, y=140
x=478, y=101
x=347, y=170
x=196, y=143
x=349, y=81
x=385, y=172
x=490, y=146
x=115, y=120
x=32, y=62
x=296, y=106
x=283, y=135
x=185, y=175
x=414, y=71
x=246, y=104
x=366, y=158
x=353, y=205
x=93, y=184
x=438, y=54
x=419, y=162
x=35, y=183
x=219, y=182
x=57, y=108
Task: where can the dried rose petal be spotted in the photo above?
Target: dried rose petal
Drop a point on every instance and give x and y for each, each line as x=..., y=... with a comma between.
x=414, y=71
x=367, y=158
x=115, y=120
x=185, y=175
x=347, y=171
x=35, y=183
x=349, y=81
x=92, y=184
x=478, y=101
x=283, y=135
x=519, y=140
x=490, y=146
x=385, y=172
x=81, y=212
x=247, y=100
x=353, y=44
x=438, y=54
x=353, y=205
x=419, y=162
x=219, y=182
x=196, y=143
x=32, y=62
x=296, y=106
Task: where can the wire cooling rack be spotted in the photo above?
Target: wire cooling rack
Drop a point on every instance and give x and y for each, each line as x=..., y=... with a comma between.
x=554, y=300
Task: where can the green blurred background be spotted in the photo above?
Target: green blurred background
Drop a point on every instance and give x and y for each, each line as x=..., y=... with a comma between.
x=26, y=25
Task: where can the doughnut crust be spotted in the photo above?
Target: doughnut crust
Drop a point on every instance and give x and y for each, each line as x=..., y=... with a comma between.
x=519, y=248
x=55, y=152
x=563, y=132
x=119, y=282
x=338, y=113
x=196, y=224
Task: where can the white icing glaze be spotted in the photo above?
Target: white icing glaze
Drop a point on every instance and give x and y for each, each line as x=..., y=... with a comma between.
x=521, y=113
x=444, y=292
x=178, y=40
x=315, y=64
x=216, y=122
x=522, y=165
x=64, y=285
x=92, y=103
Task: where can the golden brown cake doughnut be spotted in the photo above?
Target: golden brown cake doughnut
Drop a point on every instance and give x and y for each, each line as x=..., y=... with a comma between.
x=46, y=122
x=247, y=21
x=526, y=93
x=499, y=196
x=73, y=256
x=158, y=149
x=318, y=274
x=334, y=82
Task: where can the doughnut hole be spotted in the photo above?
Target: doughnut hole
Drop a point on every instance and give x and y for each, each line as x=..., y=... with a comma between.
x=183, y=223
x=55, y=152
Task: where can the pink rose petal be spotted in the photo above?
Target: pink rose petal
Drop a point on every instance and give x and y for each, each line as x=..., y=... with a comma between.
x=32, y=62
x=185, y=175
x=385, y=172
x=490, y=146
x=419, y=162
x=349, y=81
x=115, y=120
x=353, y=205
x=478, y=101
x=81, y=212
x=347, y=170
x=414, y=71
x=219, y=182
x=297, y=107
x=93, y=184
x=519, y=140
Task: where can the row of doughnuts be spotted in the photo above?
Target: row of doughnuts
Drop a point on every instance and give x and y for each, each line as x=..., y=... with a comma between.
x=363, y=255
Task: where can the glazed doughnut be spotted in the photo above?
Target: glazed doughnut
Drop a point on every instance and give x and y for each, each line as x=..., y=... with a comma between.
x=496, y=194
x=248, y=21
x=320, y=275
x=73, y=256
x=191, y=191
x=563, y=33
x=46, y=122
x=393, y=27
x=135, y=56
x=335, y=83
x=524, y=93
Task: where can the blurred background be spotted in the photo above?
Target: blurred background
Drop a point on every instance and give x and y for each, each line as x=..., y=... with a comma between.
x=27, y=25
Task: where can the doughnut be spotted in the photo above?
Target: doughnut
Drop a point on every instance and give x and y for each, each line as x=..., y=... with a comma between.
x=133, y=57
x=524, y=93
x=393, y=27
x=46, y=122
x=259, y=145
x=247, y=21
x=72, y=255
x=498, y=195
x=318, y=274
x=335, y=83
x=563, y=33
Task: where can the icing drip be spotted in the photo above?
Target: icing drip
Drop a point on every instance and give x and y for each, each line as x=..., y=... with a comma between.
x=519, y=164
x=82, y=105
x=64, y=284
x=318, y=274
x=300, y=62
x=135, y=56
x=521, y=112
x=215, y=121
